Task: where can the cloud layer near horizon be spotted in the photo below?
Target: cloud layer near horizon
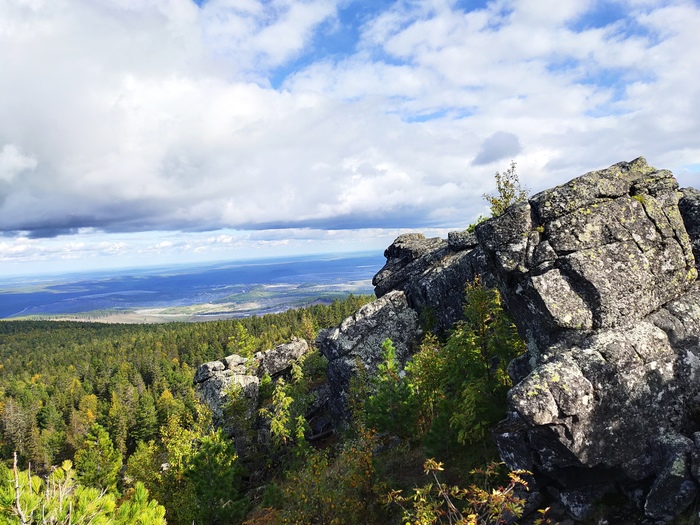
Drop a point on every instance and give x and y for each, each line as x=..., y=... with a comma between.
x=125, y=116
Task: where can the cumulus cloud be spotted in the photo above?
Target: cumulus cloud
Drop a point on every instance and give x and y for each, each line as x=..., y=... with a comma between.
x=165, y=116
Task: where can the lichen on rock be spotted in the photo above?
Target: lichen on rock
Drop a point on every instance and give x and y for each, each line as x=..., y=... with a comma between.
x=600, y=277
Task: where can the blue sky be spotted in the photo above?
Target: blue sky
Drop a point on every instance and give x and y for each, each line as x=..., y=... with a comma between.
x=140, y=132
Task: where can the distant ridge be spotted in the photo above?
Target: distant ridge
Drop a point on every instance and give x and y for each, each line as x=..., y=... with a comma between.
x=228, y=289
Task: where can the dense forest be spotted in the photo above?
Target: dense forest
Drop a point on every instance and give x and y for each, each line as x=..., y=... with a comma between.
x=76, y=391
x=101, y=424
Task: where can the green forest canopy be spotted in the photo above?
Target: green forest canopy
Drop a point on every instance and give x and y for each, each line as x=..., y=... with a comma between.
x=115, y=406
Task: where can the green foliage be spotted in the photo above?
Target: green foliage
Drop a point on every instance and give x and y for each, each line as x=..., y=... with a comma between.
x=238, y=410
x=143, y=466
x=314, y=366
x=216, y=478
x=59, y=378
x=273, y=497
x=265, y=389
x=358, y=393
x=105, y=391
x=286, y=413
x=62, y=500
x=146, y=425
x=241, y=342
x=391, y=406
x=193, y=470
x=335, y=487
x=279, y=414
x=451, y=393
x=508, y=191
x=139, y=510
x=287, y=406
x=461, y=385
x=487, y=341
x=98, y=463
x=472, y=227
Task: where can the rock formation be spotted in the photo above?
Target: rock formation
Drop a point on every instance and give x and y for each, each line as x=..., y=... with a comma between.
x=214, y=380
x=600, y=277
x=432, y=274
x=358, y=341
x=689, y=206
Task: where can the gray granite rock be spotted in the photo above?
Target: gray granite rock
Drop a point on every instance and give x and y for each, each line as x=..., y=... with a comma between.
x=358, y=341
x=600, y=277
x=689, y=207
x=277, y=360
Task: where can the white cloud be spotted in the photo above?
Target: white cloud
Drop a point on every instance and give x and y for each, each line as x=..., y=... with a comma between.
x=13, y=162
x=253, y=34
x=158, y=115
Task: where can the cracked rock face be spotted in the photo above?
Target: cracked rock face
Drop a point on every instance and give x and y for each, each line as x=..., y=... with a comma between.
x=599, y=275
x=277, y=360
x=605, y=249
x=358, y=341
x=432, y=273
x=689, y=207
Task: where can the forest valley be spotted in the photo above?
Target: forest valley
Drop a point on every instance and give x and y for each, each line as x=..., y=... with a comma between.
x=101, y=424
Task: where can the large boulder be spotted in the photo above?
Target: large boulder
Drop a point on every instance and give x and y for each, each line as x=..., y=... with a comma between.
x=600, y=277
x=357, y=342
x=603, y=250
x=689, y=207
x=432, y=273
x=278, y=360
x=215, y=380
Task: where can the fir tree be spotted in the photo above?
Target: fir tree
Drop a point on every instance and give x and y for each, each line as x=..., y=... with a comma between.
x=98, y=463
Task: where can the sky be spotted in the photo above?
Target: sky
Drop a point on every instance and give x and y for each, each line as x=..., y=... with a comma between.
x=144, y=132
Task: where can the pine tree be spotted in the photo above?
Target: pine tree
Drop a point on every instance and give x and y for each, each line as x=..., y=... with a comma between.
x=60, y=500
x=139, y=510
x=98, y=463
x=146, y=425
x=215, y=475
x=391, y=407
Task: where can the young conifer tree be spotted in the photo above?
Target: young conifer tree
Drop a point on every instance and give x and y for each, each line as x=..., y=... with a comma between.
x=508, y=191
x=97, y=462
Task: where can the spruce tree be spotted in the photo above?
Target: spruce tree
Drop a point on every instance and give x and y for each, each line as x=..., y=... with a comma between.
x=97, y=462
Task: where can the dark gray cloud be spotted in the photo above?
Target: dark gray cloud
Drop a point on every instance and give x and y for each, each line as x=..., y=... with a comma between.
x=406, y=217
x=502, y=145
